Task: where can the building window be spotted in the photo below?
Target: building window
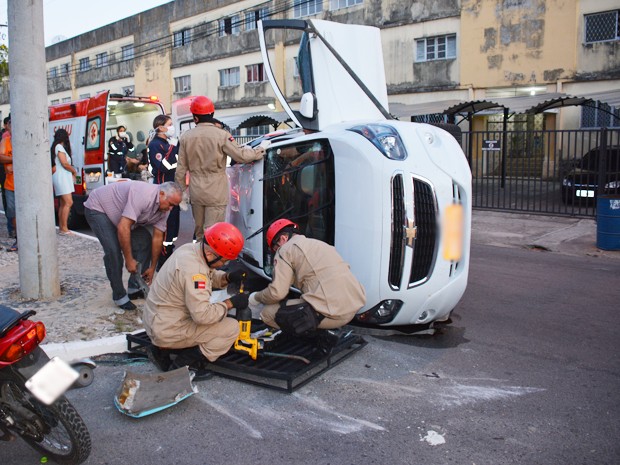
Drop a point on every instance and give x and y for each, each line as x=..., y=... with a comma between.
x=84, y=64
x=255, y=73
x=83, y=96
x=183, y=84
x=127, y=52
x=253, y=17
x=436, y=48
x=182, y=38
x=337, y=4
x=52, y=72
x=54, y=101
x=66, y=99
x=256, y=131
x=229, y=26
x=600, y=115
x=102, y=59
x=306, y=7
x=64, y=69
x=230, y=77
x=602, y=27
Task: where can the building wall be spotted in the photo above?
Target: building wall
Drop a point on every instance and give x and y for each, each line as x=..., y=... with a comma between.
x=517, y=42
x=499, y=44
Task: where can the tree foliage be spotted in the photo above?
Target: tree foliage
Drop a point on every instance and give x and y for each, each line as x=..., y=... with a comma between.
x=4, y=61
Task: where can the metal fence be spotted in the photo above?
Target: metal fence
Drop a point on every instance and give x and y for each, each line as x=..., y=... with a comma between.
x=551, y=172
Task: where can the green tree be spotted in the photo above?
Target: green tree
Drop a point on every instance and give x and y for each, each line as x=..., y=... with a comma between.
x=4, y=61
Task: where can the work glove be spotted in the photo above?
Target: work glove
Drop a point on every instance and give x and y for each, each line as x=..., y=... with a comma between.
x=265, y=144
x=235, y=276
x=185, y=201
x=240, y=301
x=253, y=301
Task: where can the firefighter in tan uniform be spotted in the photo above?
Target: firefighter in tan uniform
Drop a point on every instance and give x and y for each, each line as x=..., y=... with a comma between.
x=179, y=314
x=330, y=294
x=202, y=153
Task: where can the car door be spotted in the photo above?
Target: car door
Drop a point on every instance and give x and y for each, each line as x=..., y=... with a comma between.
x=339, y=66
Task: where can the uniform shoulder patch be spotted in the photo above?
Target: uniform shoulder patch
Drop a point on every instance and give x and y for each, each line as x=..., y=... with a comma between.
x=200, y=281
x=158, y=156
x=231, y=138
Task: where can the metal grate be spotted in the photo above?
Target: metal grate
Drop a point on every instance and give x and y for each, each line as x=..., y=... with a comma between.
x=397, y=247
x=426, y=232
x=287, y=366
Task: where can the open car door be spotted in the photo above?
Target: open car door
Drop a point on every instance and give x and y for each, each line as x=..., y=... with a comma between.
x=94, y=142
x=340, y=67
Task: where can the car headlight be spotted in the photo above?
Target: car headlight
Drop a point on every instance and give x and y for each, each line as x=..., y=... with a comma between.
x=385, y=138
x=383, y=312
x=613, y=185
x=567, y=182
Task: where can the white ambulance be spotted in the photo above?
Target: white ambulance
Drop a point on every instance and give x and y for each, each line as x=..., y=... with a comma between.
x=91, y=123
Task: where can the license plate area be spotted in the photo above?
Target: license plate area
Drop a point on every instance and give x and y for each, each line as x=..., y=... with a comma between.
x=584, y=193
x=52, y=381
x=453, y=232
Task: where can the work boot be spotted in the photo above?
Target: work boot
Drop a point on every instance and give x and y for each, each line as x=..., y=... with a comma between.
x=191, y=357
x=327, y=339
x=159, y=357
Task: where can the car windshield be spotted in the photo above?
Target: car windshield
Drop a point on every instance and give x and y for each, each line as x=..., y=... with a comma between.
x=590, y=160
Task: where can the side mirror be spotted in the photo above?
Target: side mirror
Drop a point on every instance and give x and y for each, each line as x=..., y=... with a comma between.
x=307, y=105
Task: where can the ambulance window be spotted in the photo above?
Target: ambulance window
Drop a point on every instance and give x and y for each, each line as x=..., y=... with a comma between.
x=299, y=185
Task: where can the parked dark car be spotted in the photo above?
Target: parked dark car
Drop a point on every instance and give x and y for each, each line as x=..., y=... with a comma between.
x=580, y=185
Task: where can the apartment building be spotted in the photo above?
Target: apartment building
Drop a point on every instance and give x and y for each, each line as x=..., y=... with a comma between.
x=438, y=54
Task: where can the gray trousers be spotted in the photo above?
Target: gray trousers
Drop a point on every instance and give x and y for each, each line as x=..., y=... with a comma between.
x=107, y=234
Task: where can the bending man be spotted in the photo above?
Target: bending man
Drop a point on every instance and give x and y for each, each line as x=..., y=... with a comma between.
x=120, y=215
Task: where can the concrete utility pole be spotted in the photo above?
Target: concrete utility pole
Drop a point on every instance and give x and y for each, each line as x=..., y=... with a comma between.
x=38, y=255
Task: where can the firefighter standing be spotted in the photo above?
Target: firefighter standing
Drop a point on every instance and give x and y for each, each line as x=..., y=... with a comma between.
x=179, y=314
x=203, y=152
x=330, y=294
x=163, y=157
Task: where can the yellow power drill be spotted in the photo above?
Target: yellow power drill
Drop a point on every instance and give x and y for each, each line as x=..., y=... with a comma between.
x=244, y=341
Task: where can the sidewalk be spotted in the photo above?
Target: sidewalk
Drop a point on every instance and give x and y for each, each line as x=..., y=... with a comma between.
x=85, y=315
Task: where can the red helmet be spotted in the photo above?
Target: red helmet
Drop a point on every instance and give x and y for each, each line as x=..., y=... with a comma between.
x=202, y=105
x=276, y=227
x=225, y=240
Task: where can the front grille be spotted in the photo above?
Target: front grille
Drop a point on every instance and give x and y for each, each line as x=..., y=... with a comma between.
x=397, y=247
x=425, y=220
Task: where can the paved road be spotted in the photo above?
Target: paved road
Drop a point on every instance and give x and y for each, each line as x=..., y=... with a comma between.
x=528, y=373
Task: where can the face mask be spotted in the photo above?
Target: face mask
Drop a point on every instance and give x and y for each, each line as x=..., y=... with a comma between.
x=122, y=134
x=170, y=131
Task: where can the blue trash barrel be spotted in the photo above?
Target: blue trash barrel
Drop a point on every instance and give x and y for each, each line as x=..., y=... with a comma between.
x=608, y=222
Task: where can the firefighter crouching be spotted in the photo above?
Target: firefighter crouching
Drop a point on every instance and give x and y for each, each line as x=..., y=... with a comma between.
x=330, y=294
x=179, y=314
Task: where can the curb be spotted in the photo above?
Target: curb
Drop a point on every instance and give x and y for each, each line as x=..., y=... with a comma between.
x=76, y=350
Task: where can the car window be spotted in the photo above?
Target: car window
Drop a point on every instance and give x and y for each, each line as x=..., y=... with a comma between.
x=299, y=185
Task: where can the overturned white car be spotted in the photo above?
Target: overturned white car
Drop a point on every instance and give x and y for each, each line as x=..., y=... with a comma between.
x=393, y=197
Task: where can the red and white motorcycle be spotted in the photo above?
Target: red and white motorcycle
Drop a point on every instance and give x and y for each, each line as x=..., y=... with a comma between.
x=32, y=404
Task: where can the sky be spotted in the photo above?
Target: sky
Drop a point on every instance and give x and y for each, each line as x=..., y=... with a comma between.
x=70, y=18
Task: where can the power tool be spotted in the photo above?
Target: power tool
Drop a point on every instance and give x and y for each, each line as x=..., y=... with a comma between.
x=245, y=342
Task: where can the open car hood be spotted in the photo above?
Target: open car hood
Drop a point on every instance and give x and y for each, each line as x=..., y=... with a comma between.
x=340, y=68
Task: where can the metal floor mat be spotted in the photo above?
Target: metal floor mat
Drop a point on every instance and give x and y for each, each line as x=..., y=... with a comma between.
x=286, y=366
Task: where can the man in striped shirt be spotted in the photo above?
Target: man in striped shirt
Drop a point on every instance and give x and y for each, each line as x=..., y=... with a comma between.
x=129, y=219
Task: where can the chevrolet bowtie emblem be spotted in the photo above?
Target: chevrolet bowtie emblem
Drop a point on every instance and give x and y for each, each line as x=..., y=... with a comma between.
x=411, y=232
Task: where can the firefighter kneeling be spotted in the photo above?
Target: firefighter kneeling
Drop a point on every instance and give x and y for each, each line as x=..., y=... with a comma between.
x=179, y=314
x=330, y=294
